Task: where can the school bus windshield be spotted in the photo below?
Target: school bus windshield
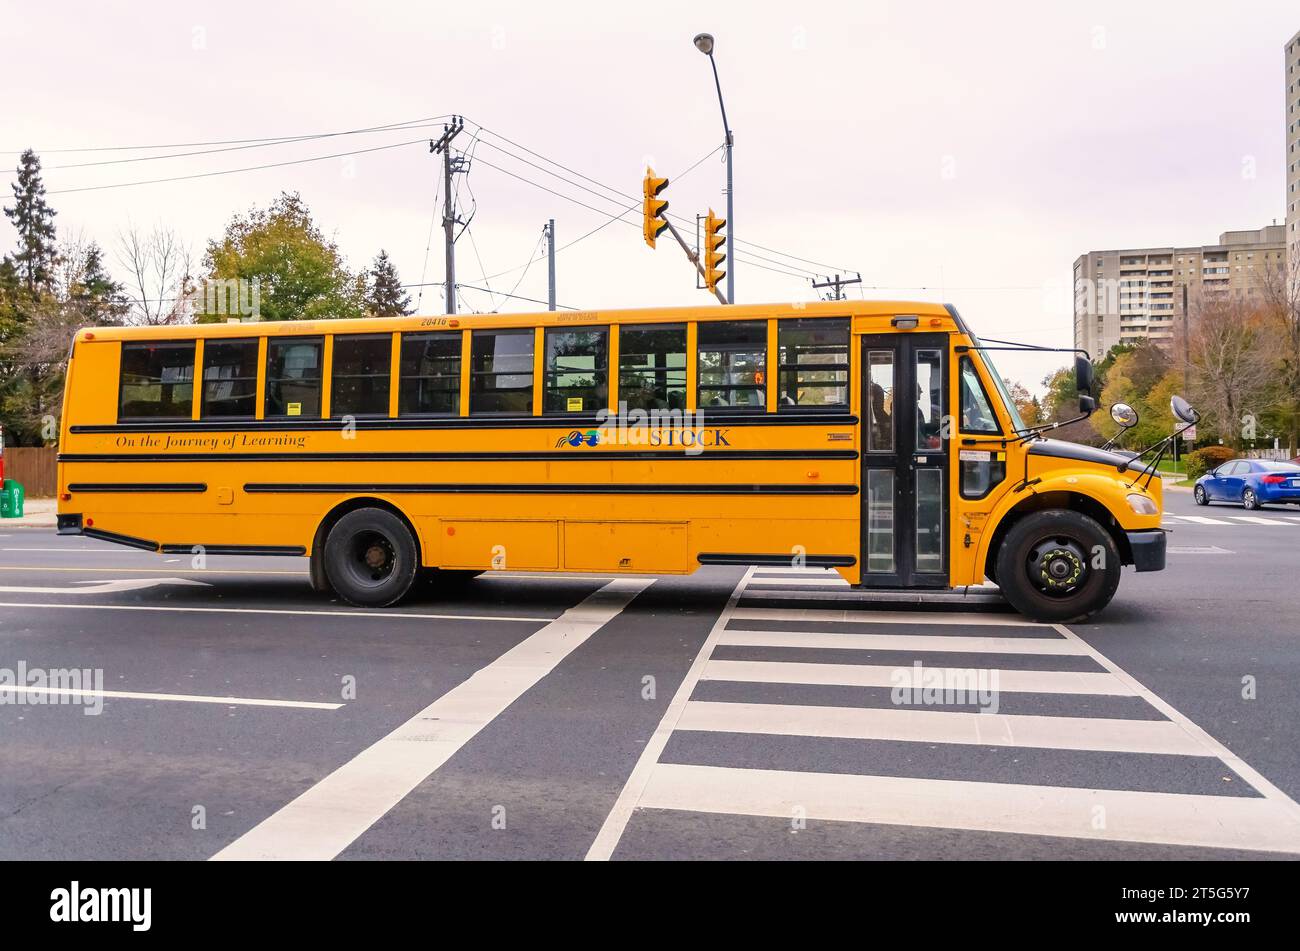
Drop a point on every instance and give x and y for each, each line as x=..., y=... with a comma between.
x=1001, y=384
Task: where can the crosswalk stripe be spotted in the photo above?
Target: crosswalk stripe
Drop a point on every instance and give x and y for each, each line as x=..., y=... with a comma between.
x=1257, y=520
x=1230, y=822
x=789, y=570
x=1203, y=520
x=881, y=617
x=793, y=580
x=936, y=726
x=904, y=642
x=872, y=675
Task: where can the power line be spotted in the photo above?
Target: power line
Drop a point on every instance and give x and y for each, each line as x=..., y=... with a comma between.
x=273, y=139
x=232, y=171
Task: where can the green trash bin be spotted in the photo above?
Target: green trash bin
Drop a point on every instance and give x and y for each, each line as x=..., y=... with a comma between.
x=11, y=499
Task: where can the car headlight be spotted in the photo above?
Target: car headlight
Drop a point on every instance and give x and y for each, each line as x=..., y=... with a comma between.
x=1142, y=505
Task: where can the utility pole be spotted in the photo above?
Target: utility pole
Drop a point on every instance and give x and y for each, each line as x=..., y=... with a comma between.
x=550, y=264
x=449, y=167
x=1187, y=335
x=838, y=284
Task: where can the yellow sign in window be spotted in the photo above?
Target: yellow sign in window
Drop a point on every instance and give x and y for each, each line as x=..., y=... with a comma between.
x=575, y=404
x=295, y=409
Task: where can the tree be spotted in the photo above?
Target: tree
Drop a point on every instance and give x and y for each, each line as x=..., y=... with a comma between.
x=385, y=296
x=33, y=219
x=161, y=273
x=279, y=251
x=1232, y=355
x=1031, y=412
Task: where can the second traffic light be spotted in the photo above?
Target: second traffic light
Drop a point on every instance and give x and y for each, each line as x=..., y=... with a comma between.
x=653, y=208
x=713, y=240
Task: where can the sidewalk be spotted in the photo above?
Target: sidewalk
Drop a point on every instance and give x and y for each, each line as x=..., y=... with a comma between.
x=37, y=513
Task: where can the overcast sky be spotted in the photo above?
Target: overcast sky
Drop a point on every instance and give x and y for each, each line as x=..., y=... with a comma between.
x=948, y=151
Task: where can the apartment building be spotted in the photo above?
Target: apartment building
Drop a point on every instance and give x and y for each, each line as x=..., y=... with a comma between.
x=1137, y=294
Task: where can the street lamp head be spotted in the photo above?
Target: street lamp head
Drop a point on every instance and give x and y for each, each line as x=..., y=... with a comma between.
x=704, y=43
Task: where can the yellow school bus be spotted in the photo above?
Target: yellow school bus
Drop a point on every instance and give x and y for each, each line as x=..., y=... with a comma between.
x=873, y=437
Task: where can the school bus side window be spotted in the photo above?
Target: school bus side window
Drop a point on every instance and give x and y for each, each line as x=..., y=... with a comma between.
x=813, y=365
x=982, y=467
x=733, y=365
x=577, y=370
x=429, y=383
x=293, y=377
x=229, y=379
x=652, y=366
x=360, y=375
x=157, y=380
x=501, y=371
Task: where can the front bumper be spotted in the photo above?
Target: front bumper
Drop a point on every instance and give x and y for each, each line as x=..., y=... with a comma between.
x=1148, y=549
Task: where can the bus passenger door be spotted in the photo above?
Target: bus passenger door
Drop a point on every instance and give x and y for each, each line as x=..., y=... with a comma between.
x=905, y=441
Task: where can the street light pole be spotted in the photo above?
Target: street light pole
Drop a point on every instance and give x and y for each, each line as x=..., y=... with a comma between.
x=704, y=43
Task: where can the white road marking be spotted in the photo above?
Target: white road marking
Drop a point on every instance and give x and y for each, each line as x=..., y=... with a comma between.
x=185, y=697
x=879, y=617
x=939, y=726
x=330, y=816
x=884, y=675
x=196, y=610
x=903, y=642
x=1203, y=520
x=118, y=569
x=1230, y=822
x=1258, y=520
x=611, y=830
x=793, y=580
x=1208, y=550
x=102, y=587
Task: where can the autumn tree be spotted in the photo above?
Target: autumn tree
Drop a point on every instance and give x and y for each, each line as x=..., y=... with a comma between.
x=298, y=272
x=1233, y=365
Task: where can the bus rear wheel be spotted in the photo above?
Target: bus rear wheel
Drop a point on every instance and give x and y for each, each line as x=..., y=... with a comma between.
x=1058, y=565
x=371, y=558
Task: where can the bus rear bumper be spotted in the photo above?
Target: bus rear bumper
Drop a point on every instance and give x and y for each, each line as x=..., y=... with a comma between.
x=69, y=523
x=1148, y=549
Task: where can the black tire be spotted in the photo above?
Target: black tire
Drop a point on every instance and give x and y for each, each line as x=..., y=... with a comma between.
x=1200, y=495
x=1249, y=500
x=1047, y=566
x=371, y=558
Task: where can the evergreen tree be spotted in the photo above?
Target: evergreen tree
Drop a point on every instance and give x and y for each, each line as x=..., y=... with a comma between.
x=33, y=219
x=385, y=296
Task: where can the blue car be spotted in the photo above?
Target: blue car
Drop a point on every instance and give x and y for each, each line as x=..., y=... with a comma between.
x=1250, y=482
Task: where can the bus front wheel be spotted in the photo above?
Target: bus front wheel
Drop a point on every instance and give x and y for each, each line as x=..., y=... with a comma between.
x=1058, y=565
x=371, y=558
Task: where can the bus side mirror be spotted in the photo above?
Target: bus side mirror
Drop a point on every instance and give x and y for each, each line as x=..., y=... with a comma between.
x=1083, y=376
x=1086, y=404
x=1183, y=410
x=1124, y=415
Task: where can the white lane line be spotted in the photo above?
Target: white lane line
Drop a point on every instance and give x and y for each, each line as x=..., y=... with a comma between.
x=330, y=816
x=611, y=830
x=1259, y=520
x=762, y=570
x=870, y=675
x=117, y=570
x=903, y=642
x=1230, y=822
x=882, y=617
x=191, y=610
x=935, y=726
x=185, y=697
x=1203, y=520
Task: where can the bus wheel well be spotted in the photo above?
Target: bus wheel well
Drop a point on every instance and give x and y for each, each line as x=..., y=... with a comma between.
x=1058, y=500
x=317, y=568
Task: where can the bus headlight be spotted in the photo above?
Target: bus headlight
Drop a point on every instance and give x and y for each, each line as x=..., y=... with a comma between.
x=1142, y=505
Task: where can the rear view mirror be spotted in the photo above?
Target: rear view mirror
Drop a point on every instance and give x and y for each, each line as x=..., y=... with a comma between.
x=1124, y=415
x=1083, y=376
x=1086, y=404
x=1183, y=410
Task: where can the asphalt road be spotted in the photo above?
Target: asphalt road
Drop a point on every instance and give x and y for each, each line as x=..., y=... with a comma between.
x=730, y=714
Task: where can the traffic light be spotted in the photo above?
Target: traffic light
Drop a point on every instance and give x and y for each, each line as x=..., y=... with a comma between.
x=653, y=209
x=713, y=240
